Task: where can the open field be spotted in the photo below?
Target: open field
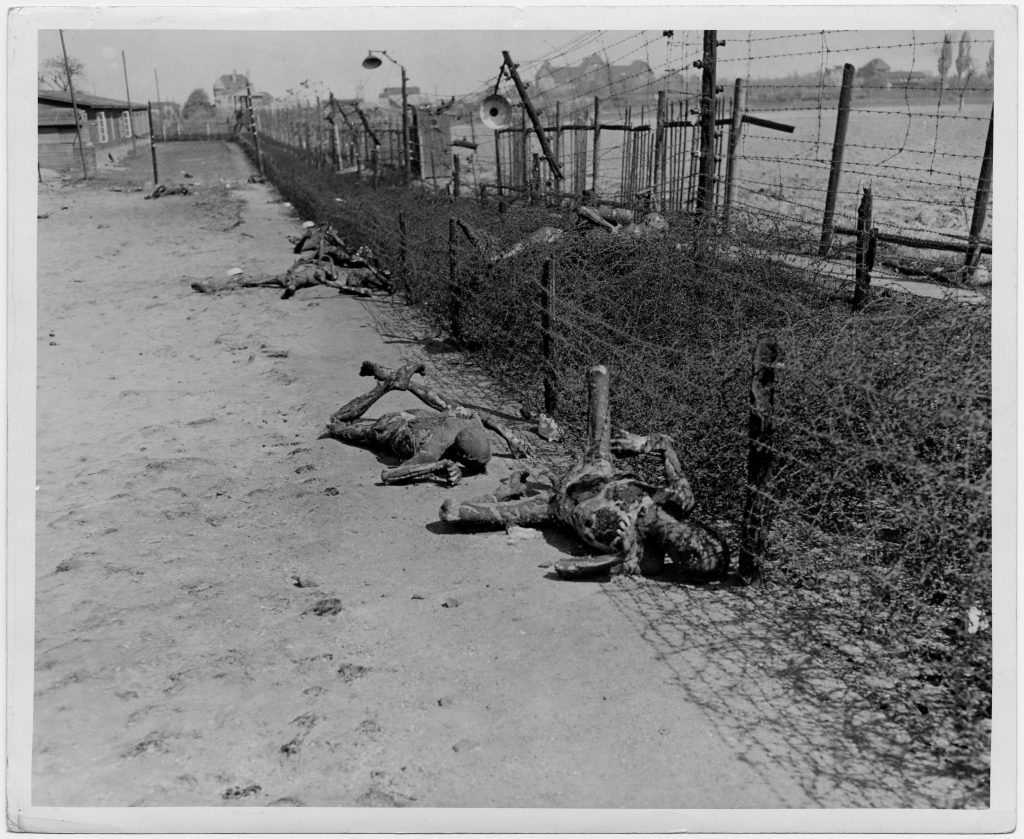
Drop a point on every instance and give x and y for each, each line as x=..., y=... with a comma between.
x=921, y=162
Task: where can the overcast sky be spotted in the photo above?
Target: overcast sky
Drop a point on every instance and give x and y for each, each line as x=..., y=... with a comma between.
x=447, y=62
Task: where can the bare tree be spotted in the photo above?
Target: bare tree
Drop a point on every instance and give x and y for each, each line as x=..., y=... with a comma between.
x=945, y=60
x=53, y=75
x=990, y=65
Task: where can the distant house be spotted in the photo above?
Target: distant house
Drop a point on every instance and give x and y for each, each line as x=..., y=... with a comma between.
x=875, y=72
x=230, y=90
x=592, y=77
x=107, y=127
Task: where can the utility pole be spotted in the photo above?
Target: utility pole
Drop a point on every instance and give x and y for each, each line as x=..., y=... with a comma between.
x=128, y=96
x=159, y=103
x=74, y=104
x=252, y=125
x=406, y=162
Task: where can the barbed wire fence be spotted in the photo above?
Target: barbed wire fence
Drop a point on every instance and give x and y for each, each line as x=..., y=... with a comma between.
x=878, y=548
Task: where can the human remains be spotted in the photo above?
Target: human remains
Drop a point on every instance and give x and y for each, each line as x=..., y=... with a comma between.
x=634, y=523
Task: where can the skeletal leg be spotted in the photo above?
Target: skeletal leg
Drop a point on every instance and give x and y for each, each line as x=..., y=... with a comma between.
x=531, y=511
x=359, y=432
x=677, y=490
x=448, y=469
x=696, y=549
x=388, y=380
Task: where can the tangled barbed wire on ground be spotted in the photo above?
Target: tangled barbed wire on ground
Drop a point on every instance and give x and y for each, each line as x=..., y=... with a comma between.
x=881, y=494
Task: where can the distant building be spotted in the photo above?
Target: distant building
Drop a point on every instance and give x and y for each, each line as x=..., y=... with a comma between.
x=230, y=90
x=592, y=77
x=106, y=125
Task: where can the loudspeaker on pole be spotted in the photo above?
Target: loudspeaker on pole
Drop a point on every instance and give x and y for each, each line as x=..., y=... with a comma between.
x=495, y=112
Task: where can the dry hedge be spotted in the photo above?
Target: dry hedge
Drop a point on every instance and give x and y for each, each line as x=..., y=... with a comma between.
x=882, y=485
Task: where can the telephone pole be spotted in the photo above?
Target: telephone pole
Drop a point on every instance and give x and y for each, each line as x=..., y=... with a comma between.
x=74, y=104
x=128, y=95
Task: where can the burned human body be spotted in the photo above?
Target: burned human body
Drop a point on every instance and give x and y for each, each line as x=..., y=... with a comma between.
x=635, y=523
x=324, y=259
x=445, y=441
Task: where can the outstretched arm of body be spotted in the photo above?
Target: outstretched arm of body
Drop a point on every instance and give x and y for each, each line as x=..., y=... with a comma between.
x=516, y=444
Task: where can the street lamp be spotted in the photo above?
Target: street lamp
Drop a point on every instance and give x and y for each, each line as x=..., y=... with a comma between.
x=372, y=62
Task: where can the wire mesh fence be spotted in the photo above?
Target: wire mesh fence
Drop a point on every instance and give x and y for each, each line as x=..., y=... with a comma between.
x=915, y=137
x=879, y=500
x=880, y=497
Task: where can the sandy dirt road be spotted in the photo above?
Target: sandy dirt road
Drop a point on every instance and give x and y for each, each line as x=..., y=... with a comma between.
x=183, y=489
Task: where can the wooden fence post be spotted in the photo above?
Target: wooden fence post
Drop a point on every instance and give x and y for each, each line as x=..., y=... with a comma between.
x=981, y=199
x=862, y=275
x=757, y=506
x=152, y=143
x=535, y=177
x=455, y=293
x=547, y=314
x=403, y=256
x=319, y=134
x=658, y=176
x=497, y=161
x=558, y=139
x=456, y=176
x=595, y=164
x=838, y=147
x=524, y=145
x=739, y=105
x=706, y=174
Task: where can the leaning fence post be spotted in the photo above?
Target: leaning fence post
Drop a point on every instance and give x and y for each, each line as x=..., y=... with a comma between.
x=756, y=508
x=862, y=275
x=547, y=314
x=981, y=198
x=739, y=105
x=838, y=147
